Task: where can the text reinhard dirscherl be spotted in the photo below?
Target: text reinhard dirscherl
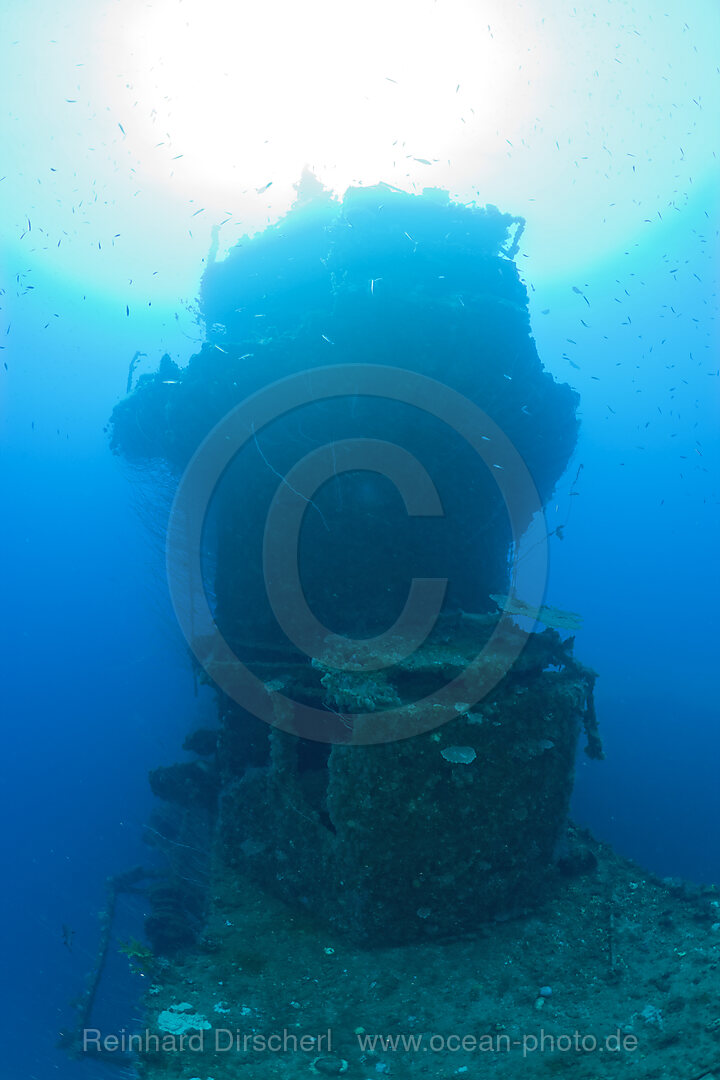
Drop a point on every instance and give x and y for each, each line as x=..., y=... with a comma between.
x=224, y=1040
x=219, y=1041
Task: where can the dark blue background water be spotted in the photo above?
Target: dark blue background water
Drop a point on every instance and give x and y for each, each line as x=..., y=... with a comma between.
x=97, y=688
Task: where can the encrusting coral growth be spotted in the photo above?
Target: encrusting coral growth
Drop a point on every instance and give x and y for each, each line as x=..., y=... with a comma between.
x=420, y=837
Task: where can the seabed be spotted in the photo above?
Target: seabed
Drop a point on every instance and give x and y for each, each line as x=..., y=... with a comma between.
x=632, y=963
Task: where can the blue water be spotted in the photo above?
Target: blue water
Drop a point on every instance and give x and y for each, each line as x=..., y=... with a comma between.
x=97, y=687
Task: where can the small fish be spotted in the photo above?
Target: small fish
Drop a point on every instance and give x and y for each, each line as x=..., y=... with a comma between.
x=260, y=190
x=326, y=338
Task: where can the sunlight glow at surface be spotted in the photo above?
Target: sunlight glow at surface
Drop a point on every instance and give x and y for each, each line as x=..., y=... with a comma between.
x=253, y=94
x=135, y=126
x=587, y=122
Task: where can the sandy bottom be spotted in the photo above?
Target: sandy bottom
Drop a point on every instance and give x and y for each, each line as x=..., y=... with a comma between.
x=617, y=975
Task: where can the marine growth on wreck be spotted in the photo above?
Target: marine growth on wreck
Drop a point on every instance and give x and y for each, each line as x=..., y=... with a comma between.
x=389, y=805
